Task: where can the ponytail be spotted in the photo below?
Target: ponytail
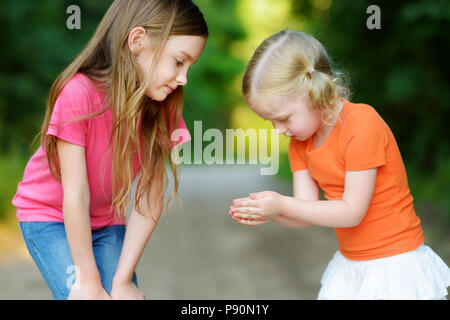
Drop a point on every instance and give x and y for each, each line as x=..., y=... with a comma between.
x=290, y=62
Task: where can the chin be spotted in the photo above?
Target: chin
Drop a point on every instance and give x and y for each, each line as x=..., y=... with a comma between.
x=299, y=138
x=157, y=97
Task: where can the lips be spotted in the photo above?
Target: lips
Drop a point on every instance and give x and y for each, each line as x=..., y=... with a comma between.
x=169, y=88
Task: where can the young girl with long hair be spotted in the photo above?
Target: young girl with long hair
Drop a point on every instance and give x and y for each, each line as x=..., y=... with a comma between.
x=348, y=151
x=109, y=117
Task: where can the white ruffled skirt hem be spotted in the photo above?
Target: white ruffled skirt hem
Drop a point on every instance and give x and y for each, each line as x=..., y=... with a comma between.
x=419, y=274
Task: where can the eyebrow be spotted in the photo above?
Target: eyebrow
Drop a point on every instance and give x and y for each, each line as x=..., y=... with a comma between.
x=282, y=116
x=279, y=116
x=270, y=117
x=187, y=55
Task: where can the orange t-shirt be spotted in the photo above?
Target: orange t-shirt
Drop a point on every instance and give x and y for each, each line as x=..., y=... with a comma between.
x=361, y=140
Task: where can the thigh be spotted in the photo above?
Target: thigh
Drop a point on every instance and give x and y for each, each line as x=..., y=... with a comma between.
x=107, y=244
x=48, y=246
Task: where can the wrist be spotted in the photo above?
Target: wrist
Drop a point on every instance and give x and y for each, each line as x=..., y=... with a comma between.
x=122, y=278
x=283, y=206
x=90, y=280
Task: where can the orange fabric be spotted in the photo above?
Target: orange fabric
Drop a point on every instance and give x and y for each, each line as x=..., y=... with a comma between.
x=361, y=140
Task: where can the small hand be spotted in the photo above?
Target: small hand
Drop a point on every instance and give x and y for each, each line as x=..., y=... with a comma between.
x=126, y=291
x=249, y=222
x=88, y=292
x=259, y=206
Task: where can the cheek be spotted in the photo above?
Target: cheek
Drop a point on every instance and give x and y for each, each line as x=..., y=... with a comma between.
x=298, y=125
x=304, y=126
x=315, y=123
x=144, y=62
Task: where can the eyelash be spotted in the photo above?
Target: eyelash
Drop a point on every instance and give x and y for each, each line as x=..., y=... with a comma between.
x=179, y=62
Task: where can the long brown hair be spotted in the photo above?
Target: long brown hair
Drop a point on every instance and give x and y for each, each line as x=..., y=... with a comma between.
x=107, y=60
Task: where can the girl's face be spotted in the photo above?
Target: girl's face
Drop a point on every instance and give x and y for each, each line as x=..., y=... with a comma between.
x=177, y=56
x=293, y=117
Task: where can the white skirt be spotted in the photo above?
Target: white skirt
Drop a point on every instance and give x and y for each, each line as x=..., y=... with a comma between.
x=419, y=274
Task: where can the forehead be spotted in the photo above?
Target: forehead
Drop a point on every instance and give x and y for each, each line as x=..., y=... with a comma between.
x=190, y=46
x=269, y=107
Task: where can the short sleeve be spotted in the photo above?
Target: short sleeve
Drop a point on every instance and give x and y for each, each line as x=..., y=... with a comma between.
x=72, y=103
x=297, y=155
x=366, y=145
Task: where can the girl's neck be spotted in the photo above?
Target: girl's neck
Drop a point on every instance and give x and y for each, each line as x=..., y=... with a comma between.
x=325, y=128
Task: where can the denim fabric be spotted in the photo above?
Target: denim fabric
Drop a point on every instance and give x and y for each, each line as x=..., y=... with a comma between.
x=49, y=248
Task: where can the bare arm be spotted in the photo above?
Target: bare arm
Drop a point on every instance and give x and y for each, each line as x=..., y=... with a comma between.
x=76, y=215
x=138, y=232
x=304, y=188
x=348, y=212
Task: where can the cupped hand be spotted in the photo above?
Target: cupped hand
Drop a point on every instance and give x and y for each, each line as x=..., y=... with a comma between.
x=258, y=206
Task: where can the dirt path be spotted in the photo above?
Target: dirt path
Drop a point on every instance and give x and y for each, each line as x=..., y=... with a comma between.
x=208, y=255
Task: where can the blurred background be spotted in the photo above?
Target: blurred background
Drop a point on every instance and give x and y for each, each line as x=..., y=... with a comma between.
x=402, y=70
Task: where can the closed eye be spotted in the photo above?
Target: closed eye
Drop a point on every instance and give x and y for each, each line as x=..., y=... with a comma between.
x=179, y=62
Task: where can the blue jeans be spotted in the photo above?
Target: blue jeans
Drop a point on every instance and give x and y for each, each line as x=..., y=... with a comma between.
x=49, y=248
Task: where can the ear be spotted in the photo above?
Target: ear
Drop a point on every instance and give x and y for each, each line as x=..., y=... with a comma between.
x=137, y=40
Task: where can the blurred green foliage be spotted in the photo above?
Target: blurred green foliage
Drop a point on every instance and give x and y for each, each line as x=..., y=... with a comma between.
x=402, y=70
x=11, y=169
x=212, y=98
x=39, y=46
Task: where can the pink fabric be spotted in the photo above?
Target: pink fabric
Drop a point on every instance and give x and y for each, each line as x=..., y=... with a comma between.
x=39, y=196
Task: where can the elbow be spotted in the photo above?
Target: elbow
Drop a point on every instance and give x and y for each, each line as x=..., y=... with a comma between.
x=353, y=213
x=299, y=225
x=302, y=225
x=357, y=218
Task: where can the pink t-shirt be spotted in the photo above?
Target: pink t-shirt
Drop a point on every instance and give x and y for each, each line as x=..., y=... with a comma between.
x=39, y=196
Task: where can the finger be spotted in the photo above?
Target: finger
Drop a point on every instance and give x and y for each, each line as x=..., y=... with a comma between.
x=237, y=201
x=246, y=222
x=258, y=195
x=246, y=216
x=251, y=222
x=247, y=210
x=249, y=203
x=242, y=220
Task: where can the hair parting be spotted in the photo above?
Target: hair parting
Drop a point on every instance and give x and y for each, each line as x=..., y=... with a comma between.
x=290, y=62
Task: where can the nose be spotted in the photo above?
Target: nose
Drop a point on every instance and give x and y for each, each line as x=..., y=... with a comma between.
x=182, y=78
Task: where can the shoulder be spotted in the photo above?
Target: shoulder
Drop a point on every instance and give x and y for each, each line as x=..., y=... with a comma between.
x=362, y=117
x=358, y=111
x=79, y=91
x=77, y=84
